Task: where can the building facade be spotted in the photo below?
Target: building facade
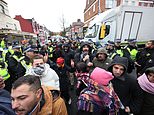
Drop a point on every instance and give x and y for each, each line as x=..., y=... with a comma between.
x=75, y=30
x=32, y=26
x=8, y=27
x=94, y=7
x=6, y=22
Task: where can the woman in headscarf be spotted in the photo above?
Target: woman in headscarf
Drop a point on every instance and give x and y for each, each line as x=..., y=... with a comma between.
x=146, y=82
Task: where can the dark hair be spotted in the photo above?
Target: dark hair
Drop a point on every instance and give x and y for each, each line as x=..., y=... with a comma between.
x=37, y=57
x=152, y=41
x=149, y=70
x=31, y=80
x=81, y=67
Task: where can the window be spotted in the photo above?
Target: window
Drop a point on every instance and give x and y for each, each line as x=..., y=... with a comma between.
x=89, y=12
x=110, y=3
x=2, y=9
x=94, y=8
x=88, y=1
x=133, y=3
x=15, y=26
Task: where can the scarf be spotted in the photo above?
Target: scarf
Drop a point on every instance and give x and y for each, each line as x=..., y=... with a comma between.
x=81, y=77
x=96, y=98
x=145, y=84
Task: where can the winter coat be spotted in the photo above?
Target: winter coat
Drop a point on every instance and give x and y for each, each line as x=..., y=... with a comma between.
x=48, y=78
x=52, y=103
x=148, y=93
x=148, y=104
x=5, y=103
x=99, y=96
x=104, y=63
x=79, y=58
x=15, y=68
x=126, y=87
x=145, y=58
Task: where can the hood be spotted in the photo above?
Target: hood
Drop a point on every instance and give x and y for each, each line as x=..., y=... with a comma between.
x=120, y=61
x=5, y=103
x=101, y=76
x=101, y=50
x=145, y=84
x=85, y=43
x=149, y=70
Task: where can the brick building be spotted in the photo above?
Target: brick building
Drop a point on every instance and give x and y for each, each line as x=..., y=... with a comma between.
x=28, y=25
x=31, y=26
x=94, y=7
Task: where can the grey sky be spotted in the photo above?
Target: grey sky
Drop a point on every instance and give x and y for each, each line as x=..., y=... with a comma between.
x=48, y=12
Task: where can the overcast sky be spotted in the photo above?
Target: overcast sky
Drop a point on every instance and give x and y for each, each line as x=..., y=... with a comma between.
x=48, y=12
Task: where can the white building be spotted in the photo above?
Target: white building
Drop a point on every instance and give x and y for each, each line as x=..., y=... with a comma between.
x=6, y=22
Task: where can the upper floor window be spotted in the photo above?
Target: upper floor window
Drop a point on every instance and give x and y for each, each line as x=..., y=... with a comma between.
x=94, y=8
x=2, y=9
x=88, y=1
x=110, y=3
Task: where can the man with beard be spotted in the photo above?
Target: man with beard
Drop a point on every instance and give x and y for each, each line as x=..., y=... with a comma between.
x=47, y=75
x=145, y=58
x=101, y=60
x=84, y=54
x=30, y=98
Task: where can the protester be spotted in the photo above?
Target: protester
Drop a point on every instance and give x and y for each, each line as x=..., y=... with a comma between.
x=47, y=75
x=81, y=72
x=84, y=55
x=99, y=97
x=101, y=60
x=125, y=86
x=145, y=58
x=62, y=71
x=5, y=100
x=30, y=98
x=146, y=82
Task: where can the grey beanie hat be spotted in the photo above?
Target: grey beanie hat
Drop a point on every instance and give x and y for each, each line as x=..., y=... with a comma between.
x=102, y=50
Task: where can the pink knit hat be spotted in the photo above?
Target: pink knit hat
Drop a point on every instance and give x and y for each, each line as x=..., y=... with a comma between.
x=101, y=76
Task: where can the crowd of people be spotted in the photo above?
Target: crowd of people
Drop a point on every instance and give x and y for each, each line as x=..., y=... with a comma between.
x=108, y=80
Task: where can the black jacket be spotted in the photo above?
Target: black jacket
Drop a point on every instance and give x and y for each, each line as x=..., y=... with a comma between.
x=15, y=68
x=127, y=88
x=5, y=103
x=78, y=56
x=146, y=59
x=148, y=104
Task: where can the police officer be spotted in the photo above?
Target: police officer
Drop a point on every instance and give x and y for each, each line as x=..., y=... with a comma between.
x=15, y=66
x=3, y=70
x=145, y=58
x=3, y=66
x=50, y=50
x=132, y=48
x=118, y=50
x=9, y=51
